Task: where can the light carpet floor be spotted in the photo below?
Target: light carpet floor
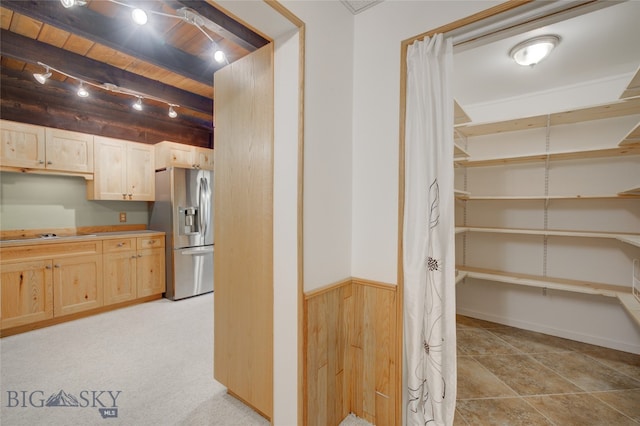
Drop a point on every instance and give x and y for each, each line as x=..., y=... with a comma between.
x=158, y=355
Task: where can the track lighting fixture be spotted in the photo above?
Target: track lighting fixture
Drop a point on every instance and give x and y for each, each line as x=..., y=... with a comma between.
x=137, y=105
x=82, y=92
x=42, y=78
x=141, y=16
x=109, y=87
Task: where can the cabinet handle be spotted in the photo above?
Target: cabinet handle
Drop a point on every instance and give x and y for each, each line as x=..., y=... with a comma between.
x=47, y=267
x=124, y=196
x=120, y=244
x=130, y=196
x=49, y=162
x=133, y=257
x=41, y=162
x=57, y=265
x=139, y=255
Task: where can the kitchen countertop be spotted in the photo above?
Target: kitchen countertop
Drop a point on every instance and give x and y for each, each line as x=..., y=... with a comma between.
x=23, y=241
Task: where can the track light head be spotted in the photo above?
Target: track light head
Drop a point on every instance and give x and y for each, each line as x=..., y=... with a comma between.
x=42, y=77
x=219, y=56
x=70, y=3
x=172, y=112
x=139, y=16
x=82, y=92
x=137, y=105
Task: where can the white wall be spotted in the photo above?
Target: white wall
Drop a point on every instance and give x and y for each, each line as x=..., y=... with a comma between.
x=379, y=32
x=327, y=140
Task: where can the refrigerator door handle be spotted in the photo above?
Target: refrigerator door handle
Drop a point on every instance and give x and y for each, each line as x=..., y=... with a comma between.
x=197, y=252
x=203, y=200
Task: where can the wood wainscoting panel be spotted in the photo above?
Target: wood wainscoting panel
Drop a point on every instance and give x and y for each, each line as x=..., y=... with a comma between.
x=350, y=347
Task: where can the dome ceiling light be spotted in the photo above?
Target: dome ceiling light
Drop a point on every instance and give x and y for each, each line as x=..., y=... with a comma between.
x=532, y=51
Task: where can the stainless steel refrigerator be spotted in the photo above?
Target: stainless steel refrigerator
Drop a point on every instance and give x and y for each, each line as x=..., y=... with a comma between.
x=183, y=209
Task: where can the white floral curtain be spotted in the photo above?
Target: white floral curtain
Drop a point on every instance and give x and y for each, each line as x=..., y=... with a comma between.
x=428, y=243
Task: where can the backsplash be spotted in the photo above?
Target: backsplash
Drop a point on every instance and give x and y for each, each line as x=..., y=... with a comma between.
x=32, y=201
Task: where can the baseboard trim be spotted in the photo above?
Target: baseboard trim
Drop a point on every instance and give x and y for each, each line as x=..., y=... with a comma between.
x=59, y=320
x=558, y=332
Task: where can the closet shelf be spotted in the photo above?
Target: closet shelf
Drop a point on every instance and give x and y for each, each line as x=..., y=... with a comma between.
x=459, y=152
x=458, y=193
x=631, y=305
x=630, y=192
x=460, y=276
x=633, y=88
x=633, y=239
x=459, y=115
x=632, y=138
x=545, y=282
x=553, y=156
x=620, y=195
x=614, y=109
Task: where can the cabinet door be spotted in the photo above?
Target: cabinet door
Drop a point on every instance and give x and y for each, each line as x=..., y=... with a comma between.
x=150, y=272
x=110, y=175
x=22, y=145
x=119, y=277
x=26, y=293
x=77, y=283
x=141, y=179
x=175, y=155
x=204, y=158
x=69, y=151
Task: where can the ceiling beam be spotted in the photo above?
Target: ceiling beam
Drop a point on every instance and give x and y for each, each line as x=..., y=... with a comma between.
x=117, y=34
x=51, y=105
x=32, y=51
x=226, y=26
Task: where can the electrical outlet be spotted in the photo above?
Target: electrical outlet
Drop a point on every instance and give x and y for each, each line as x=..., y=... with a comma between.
x=123, y=217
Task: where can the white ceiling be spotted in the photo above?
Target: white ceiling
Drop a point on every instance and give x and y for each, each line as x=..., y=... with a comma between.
x=593, y=46
x=357, y=6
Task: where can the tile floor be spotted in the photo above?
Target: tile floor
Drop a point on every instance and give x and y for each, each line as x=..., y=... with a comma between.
x=509, y=376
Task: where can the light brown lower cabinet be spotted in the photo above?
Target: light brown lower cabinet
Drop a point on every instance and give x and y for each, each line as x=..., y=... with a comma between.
x=42, y=282
x=77, y=283
x=132, y=269
x=27, y=292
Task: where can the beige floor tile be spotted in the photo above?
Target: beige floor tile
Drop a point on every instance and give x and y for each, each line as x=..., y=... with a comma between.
x=583, y=372
x=525, y=375
x=458, y=420
x=627, y=401
x=624, y=362
x=501, y=411
x=532, y=342
x=579, y=410
x=481, y=342
x=475, y=381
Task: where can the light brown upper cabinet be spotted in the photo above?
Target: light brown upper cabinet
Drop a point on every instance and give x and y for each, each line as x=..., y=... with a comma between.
x=173, y=154
x=123, y=171
x=40, y=148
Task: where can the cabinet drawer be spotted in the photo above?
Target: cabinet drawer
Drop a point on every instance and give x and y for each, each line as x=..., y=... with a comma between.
x=120, y=244
x=150, y=242
x=45, y=251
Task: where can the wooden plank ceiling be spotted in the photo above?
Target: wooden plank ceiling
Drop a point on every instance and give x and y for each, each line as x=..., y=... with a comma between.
x=169, y=60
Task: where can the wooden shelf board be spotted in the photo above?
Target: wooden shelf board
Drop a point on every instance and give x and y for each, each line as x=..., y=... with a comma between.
x=631, y=305
x=627, y=238
x=459, y=115
x=630, y=239
x=632, y=191
x=633, y=88
x=458, y=193
x=632, y=138
x=545, y=282
x=615, y=109
x=459, y=152
x=460, y=230
x=554, y=156
x=460, y=276
x=621, y=195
